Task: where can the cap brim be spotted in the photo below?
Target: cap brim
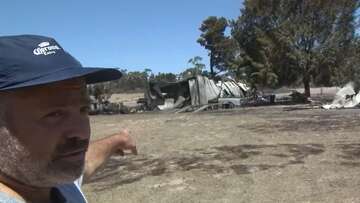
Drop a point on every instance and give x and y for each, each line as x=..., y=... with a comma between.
x=91, y=75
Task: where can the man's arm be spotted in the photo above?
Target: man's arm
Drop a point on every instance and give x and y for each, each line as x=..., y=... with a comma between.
x=100, y=150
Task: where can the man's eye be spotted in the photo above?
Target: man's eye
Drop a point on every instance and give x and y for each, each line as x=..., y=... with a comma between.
x=54, y=114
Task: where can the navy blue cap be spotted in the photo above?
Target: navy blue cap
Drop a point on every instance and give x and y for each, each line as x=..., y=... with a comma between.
x=29, y=60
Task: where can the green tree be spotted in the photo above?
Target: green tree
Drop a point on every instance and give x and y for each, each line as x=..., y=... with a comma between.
x=147, y=73
x=196, y=64
x=197, y=68
x=213, y=39
x=294, y=38
x=253, y=62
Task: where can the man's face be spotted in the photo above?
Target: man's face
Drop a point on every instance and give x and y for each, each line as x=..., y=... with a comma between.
x=47, y=133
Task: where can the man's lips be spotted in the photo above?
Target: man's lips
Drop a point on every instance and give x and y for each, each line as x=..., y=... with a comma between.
x=76, y=153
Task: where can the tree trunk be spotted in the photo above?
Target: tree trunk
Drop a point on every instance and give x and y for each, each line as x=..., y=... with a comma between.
x=306, y=81
x=212, y=74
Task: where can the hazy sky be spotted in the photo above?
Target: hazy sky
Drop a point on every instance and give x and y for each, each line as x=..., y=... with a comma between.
x=137, y=34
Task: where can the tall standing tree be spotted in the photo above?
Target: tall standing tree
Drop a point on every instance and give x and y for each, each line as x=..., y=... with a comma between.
x=213, y=39
x=255, y=48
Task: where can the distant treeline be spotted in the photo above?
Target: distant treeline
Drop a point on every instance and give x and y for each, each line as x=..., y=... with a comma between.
x=136, y=81
x=130, y=82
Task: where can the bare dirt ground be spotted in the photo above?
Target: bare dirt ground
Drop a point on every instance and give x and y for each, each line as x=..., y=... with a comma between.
x=255, y=154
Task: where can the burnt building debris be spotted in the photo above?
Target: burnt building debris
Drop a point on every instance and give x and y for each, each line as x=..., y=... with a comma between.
x=346, y=97
x=196, y=92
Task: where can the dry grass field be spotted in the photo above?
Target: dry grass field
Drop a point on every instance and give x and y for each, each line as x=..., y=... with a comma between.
x=255, y=154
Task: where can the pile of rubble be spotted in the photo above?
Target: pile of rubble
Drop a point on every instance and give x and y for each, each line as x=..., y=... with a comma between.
x=200, y=93
x=193, y=94
x=346, y=97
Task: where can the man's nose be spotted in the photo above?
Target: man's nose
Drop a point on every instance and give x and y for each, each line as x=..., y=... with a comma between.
x=78, y=126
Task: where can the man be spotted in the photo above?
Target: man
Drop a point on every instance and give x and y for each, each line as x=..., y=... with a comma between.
x=44, y=125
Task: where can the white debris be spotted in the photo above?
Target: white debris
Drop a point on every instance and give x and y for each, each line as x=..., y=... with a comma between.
x=346, y=97
x=168, y=104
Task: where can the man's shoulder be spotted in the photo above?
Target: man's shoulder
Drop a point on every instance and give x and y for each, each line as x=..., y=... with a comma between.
x=5, y=198
x=69, y=193
x=72, y=192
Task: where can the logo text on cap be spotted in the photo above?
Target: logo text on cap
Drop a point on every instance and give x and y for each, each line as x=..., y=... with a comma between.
x=44, y=48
